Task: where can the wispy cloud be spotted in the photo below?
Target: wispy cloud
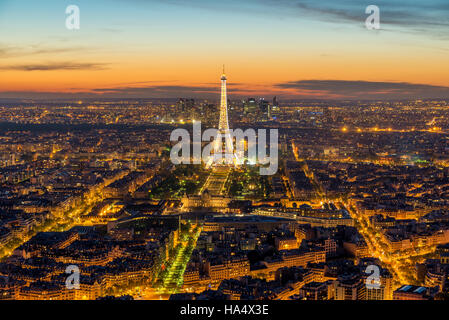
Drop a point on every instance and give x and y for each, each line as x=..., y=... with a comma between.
x=157, y=89
x=55, y=66
x=412, y=16
x=14, y=51
x=365, y=89
x=206, y=90
x=143, y=90
x=420, y=17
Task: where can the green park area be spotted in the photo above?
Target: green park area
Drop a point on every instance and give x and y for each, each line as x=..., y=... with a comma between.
x=246, y=182
x=183, y=179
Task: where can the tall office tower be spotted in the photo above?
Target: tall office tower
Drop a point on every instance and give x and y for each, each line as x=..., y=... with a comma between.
x=264, y=109
x=274, y=112
x=269, y=113
x=263, y=105
x=275, y=104
x=250, y=106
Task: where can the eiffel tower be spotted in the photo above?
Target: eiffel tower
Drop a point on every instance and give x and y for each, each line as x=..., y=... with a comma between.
x=223, y=143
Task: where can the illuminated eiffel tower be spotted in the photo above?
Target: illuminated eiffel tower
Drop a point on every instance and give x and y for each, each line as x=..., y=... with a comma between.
x=224, y=142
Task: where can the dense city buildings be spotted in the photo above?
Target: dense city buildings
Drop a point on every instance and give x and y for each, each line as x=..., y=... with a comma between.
x=362, y=191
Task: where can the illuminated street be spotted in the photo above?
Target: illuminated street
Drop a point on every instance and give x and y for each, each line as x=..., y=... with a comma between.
x=173, y=277
x=399, y=263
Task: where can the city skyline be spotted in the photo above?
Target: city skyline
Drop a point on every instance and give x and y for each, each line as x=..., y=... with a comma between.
x=291, y=49
x=315, y=167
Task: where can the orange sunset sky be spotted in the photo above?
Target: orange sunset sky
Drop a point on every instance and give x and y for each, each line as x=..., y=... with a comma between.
x=162, y=49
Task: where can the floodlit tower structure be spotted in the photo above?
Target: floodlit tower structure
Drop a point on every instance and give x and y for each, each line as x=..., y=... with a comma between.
x=223, y=125
x=223, y=142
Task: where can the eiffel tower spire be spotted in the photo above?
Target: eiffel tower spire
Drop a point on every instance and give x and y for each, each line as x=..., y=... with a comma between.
x=223, y=124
